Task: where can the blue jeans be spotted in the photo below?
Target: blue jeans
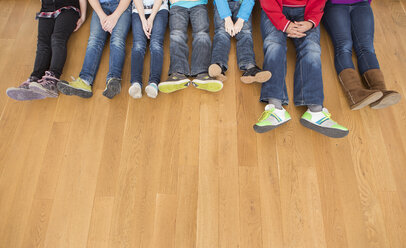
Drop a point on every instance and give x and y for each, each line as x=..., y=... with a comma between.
x=221, y=41
x=308, y=82
x=156, y=47
x=351, y=25
x=201, y=45
x=97, y=40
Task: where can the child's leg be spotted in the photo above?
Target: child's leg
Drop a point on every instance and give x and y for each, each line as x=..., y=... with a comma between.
x=221, y=43
x=179, y=50
x=245, y=45
x=156, y=46
x=44, y=52
x=138, y=49
x=65, y=23
x=201, y=46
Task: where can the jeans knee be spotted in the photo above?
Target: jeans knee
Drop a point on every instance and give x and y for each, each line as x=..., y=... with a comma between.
x=178, y=35
x=139, y=46
x=201, y=35
x=156, y=46
x=117, y=42
x=343, y=48
x=272, y=46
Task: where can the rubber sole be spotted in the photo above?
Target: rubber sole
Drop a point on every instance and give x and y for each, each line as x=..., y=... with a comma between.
x=330, y=132
x=215, y=72
x=66, y=89
x=264, y=129
x=36, y=87
x=135, y=92
x=20, y=94
x=169, y=87
x=367, y=101
x=209, y=85
x=113, y=88
x=260, y=77
x=386, y=101
x=151, y=91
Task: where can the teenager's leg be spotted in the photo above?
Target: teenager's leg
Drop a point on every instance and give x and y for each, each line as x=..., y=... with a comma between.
x=221, y=43
x=138, y=50
x=274, y=61
x=245, y=44
x=201, y=46
x=44, y=52
x=179, y=50
x=65, y=23
x=156, y=46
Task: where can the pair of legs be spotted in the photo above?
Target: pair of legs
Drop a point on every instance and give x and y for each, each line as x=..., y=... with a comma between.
x=352, y=26
x=94, y=50
x=308, y=82
x=53, y=35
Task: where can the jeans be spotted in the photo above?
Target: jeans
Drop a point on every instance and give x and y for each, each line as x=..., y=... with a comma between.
x=156, y=47
x=97, y=39
x=201, y=45
x=351, y=25
x=53, y=35
x=221, y=41
x=308, y=82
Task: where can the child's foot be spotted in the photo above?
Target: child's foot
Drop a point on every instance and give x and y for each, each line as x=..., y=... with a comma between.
x=204, y=82
x=23, y=92
x=152, y=90
x=215, y=71
x=271, y=118
x=175, y=82
x=77, y=87
x=321, y=122
x=135, y=90
x=255, y=75
x=46, y=86
x=113, y=87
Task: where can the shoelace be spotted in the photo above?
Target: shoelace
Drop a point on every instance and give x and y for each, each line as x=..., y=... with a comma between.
x=265, y=115
x=47, y=79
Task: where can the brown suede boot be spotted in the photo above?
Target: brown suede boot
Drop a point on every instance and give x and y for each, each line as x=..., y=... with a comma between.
x=375, y=81
x=357, y=96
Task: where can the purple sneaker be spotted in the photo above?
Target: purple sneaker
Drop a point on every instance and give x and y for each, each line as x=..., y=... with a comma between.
x=23, y=92
x=46, y=86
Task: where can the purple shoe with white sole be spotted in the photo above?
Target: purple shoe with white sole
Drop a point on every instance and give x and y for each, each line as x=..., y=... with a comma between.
x=23, y=92
x=46, y=86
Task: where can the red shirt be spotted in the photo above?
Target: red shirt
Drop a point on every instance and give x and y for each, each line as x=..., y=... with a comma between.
x=273, y=9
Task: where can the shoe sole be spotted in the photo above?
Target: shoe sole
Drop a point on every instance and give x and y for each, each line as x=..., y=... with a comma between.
x=260, y=77
x=388, y=100
x=135, y=92
x=264, y=129
x=112, y=89
x=66, y=89
x=367, y=101
x=215, y=72
x=169, y=87
x=151, y=91
x=23, y=94
x=41, y=90
x=329, y=132
x=212, y=86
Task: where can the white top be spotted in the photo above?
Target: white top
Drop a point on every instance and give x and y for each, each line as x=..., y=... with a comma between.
x=148, y=4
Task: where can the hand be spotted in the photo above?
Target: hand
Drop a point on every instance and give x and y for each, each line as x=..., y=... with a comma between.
x=238, y=26
x=150, y=23
x=293, y=32
x=229, y=26
x=145, y=27
x=304, y=26
x=79, y=23
x=109, y=23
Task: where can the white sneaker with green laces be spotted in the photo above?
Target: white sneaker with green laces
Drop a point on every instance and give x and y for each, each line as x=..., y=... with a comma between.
x=321, y=122
x=271, y=118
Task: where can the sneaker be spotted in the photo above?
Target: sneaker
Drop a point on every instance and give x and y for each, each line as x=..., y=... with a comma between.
x=135, y=90
x=152, y=90
x=175, y=82
x=23, y=92
x=46, y=86
x=321, y=122
x=271, y=118
x=204, y=82
x=113, y=87
x=255, y=75
x=215, y=71
x=77, y=87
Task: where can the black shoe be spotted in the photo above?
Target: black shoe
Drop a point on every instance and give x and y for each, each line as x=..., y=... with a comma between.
x=255, y=75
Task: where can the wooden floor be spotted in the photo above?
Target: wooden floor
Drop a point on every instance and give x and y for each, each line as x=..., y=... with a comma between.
x=187, y=169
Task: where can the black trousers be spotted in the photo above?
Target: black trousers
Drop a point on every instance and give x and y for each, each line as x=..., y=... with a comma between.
x=53, y=36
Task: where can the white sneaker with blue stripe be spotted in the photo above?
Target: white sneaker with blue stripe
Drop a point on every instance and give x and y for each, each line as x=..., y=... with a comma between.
x=321, y=122
x=271, y=118
x=152, y=90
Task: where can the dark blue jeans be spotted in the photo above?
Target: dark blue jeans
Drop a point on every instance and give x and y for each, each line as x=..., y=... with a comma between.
x=351, y=25
x=201, y=45
x=156, y=46
x=221, y=41
x=97, y=40
x=308, y=82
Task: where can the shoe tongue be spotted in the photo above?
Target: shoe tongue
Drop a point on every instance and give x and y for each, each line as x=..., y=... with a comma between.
x=269, y=107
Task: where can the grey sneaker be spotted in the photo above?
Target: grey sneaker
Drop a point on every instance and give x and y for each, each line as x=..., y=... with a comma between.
x=113, y=87
x=204, y=82
x=23, y=92
x=46, y=86
x=175, y=82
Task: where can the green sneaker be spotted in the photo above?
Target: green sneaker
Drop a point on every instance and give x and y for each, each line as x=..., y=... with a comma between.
x=271, y=118
x=174, y=83
x=77, y=87
x=321, y=122
x=204, y=82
